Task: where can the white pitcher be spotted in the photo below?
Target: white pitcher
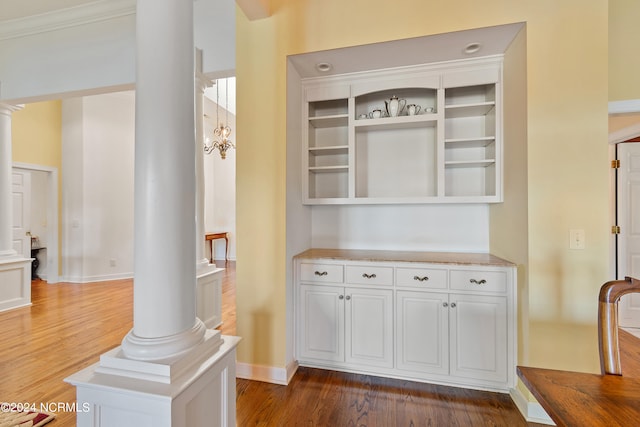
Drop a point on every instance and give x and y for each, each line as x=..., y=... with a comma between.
x=394, y=106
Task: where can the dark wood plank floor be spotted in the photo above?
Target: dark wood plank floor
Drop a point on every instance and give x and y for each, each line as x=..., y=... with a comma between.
x=322, y=398
x=69, y=326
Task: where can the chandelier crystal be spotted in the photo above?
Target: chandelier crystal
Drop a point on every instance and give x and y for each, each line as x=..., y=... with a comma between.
x=221, y=133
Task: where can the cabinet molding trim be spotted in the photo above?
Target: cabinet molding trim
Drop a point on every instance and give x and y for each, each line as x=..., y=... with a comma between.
x=531, y=411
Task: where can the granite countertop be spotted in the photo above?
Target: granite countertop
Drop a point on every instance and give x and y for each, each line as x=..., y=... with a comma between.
x=459, y=258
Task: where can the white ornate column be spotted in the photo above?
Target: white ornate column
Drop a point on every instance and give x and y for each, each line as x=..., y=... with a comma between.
x=170, y=370
x=209, y=277
x=15, y=269
x=165, y=322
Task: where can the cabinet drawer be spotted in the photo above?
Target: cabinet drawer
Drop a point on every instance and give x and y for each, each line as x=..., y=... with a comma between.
x=369, y=275
x=479, y=280
x=325, y=273
x=421, y=278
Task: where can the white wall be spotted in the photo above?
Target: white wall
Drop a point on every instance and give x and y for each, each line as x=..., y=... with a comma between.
x=98, y=135
x=39, y=189
x=72, y=190
x=98, y=154
x=91, y=49
x=220, y=184
x=68, y=60
x=442, y=228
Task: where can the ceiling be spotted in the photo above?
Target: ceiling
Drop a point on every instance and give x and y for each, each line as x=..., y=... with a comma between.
x=16, y=9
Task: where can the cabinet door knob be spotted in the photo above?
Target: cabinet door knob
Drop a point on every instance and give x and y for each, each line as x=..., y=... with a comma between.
x=369, y=276
x=478, y=282
x=340, y=296
x=348, y=297
x=420, y=279
x=453, y=305
x=320, y=273
x=444, y=304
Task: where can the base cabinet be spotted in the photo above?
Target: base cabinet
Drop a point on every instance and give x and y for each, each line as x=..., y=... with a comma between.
x=346, y=325
x=446, y=323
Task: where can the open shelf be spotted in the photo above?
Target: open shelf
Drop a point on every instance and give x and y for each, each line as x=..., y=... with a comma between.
x=469, y=163
x=334, y=120
x=451, y=154
x=468, y=110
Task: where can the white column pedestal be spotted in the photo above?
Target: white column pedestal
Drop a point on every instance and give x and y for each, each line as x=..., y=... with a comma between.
x=197, y=390
x=15, y=270
x=15, y=282
x=209, y=297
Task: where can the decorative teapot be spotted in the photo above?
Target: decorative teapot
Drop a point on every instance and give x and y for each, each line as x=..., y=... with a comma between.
x=395, y=106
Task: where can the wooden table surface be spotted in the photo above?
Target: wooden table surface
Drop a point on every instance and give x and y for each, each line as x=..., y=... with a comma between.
x=583, y=399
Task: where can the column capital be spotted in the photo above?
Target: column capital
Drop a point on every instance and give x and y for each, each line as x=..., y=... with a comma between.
x=8, y=109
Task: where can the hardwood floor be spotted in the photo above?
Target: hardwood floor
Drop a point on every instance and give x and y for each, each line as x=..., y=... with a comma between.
x=69, y=326
x=327, y=398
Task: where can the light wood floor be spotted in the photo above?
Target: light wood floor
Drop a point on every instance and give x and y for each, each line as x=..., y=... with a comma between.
x=69, y=326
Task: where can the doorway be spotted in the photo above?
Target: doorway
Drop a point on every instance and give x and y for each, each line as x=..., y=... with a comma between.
x=43, y=218
x=628, y=221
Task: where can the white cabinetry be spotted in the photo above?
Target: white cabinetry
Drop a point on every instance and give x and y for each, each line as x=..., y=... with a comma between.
x=351, y=325
x=450, y=151
x=445, y=318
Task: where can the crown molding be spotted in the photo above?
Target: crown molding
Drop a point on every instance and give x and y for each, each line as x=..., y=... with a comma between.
x=96, y=11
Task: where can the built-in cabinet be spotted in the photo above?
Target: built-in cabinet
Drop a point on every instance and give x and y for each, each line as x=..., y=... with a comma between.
x=445, y=318
x=450, y=150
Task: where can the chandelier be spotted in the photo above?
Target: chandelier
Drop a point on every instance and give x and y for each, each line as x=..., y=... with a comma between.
x=221, y=140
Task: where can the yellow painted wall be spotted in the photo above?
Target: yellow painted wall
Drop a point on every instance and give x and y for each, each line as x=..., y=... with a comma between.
x=36, y=133
x=567, y=155
x=624, y=61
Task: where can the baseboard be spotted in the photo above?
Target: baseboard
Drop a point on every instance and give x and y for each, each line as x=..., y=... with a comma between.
x=91, y=279
x=531, y=411
x=268, y=374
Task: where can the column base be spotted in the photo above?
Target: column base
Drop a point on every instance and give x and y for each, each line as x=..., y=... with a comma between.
x=15, y=282
x=116, y=362
x=124, y=393
x=162, y=348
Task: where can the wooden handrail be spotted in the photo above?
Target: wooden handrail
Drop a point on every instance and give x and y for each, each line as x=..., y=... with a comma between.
x=610, y=294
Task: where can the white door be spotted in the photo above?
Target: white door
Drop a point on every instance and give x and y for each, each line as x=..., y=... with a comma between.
x=21, y=192
x=629, y=221
x=369, y=327
x=478, y=327
x=321, y=322
x=422, y=332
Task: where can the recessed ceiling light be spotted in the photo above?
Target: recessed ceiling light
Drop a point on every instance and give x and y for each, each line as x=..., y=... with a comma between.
x=472, y=48
x=323, y=67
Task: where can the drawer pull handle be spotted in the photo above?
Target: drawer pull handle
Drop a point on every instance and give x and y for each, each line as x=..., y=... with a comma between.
x=348, y=297
x=478, y=282
x=444, y=304
x=340, y=296
x=420, y=279
x=320, y=273
x=453, y=305
x=369, y=276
